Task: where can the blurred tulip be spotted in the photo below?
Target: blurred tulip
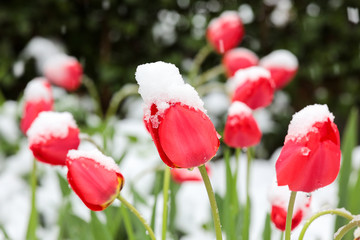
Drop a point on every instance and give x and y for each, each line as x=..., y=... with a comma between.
x=238, y=58
x=181, y=175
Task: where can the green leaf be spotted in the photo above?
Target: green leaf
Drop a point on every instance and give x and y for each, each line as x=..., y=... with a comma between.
x=33, y=219
x=64, y=185
x=267, y=228
x=99, y=229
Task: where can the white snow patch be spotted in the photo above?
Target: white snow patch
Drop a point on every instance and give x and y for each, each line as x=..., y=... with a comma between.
x=105, y=161
x=353, y=15
x=37, y=90
x=50, y=124
x=303, y=121
x=225, y=15
x=280, y=59
x=239, y=108
x=54, y=66
x=248, y=74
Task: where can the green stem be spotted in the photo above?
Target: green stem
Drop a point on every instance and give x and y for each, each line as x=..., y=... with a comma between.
x=165, y=203
x=33, y=219
x=198, y=60
x=138, y=215
x=246, y=228
x=282, y=235
x=2, y=98
x=339, y=212
x=211, y=195
x=127, y=222
x=119, y=96
x=289, y=215
x=90, y=86
x=86, y=137
x=345, y=229
x=208, y=75
x=211, y=86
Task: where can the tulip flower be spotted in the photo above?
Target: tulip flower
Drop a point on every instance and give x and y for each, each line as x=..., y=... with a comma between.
x=310, y=158
x=52, y=135
x=181, y=175
x=238, y=58
x=241, y=129
x=279, y=200
x=94, y=177
x=38, y=97
x=63, y=71
x=252, y=86
x=175, y=117
x=282, y=65
x=225, y=32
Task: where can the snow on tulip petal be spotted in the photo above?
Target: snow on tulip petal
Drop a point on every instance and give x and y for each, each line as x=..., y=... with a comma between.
x=94, y=177
x=174, y=115
x=64, y=71
x=279, y=200
x=238, y=58
x=52, y=135
x=241, y=128
x=310, y=158
x=181, y=175
x=252, y=86
x=225, y=32
x=282, y=65
x=37, y=98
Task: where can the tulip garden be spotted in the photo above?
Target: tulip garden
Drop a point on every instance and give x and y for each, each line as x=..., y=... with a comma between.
x=175, y=154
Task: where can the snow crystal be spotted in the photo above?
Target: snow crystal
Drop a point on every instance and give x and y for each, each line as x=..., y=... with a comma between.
x=37, y=90
x=247, y=74
x=302, y=122
x=280, y=58
x=238, y=108
x=95, y=155
x=50, y=124
x=161, y=84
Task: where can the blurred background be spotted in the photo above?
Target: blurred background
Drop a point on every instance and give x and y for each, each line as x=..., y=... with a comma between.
x=112, y=37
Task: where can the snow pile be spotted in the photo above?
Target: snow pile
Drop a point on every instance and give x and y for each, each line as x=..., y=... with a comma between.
x=239, y=108
x=280, y=59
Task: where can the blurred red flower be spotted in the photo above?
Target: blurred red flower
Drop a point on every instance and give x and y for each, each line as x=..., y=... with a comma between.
x=238, y=58
x=181, y=175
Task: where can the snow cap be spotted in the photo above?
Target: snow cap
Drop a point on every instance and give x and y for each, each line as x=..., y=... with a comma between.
x=303, y=121
x=94, y=154
x=38, y=89
x=280, y=59
x=49, y=125
x=239, y=108
x=55, y=64
x=247, y=74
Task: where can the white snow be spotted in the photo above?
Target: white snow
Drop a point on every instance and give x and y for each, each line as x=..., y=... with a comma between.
x=280, y=59
x=303, y=121
x=239, y=108
x=54, y=66
x=161, y=84
x=248, y=74
x=37, y=90
x=105, y=161
x=225, y=15
x=50, y=124
x=353, y=15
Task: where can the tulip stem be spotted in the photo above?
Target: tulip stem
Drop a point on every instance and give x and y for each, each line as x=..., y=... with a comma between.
x=33, y=219
x=119, y=96
x=90, y=86
x=127, y=222
x=198, y=60
x=345, y=229
x=289, y=215
x=246, y=226
x=339, y=212
x=86, y=137
x=138, y=215
x=211, y=195
x=208, y=75
x=165, y=203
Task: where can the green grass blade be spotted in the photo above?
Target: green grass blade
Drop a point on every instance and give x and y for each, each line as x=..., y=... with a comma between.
x=267, y=228
x=99, y=229
x=33, y=219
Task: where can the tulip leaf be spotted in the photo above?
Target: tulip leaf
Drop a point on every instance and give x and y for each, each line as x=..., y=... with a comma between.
x=113, y=220
x=64, y=185
x=267, y=228
x=3, y=230
x=33, y=219
x=349, y=140
x=156, y=190
x=99, y=229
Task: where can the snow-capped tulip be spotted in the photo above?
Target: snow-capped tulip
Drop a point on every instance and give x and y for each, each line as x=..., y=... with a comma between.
x=282, y=65
x=310, y=158
x=279, y=200
x=52, y=135
x=225, y=32
x=94, y=177
x=174, y=114
x=38, y=97
x=63, y=71
x=238, y=58
x=252, y=86
x=181, y=175
x=241, y=129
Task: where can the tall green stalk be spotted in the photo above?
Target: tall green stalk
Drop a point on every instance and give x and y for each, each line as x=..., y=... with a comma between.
x=289, y=215
x=165, y=203
x=246, y=226
x=33, y=219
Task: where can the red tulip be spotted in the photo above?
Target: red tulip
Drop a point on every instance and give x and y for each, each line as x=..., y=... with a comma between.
x=174, y=115
x=279, y=199
x=238, y=58
x=282, y=65
x=181, y=175
x=252, y=86
x=38, y=97
x=52, y=135
x=310, y=158
x=241, y=129
x=63, y=71
x=225, y=32
x=94, y=177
